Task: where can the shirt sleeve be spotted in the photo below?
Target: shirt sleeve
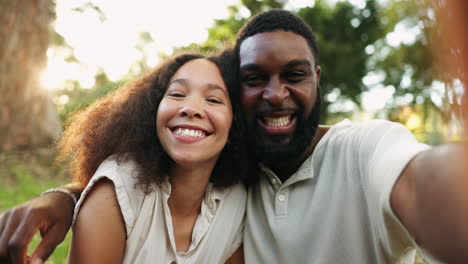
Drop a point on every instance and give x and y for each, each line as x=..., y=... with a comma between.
x=128, y=196
x=384, y=153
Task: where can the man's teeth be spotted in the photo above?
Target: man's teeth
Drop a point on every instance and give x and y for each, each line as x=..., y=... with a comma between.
x=277, y=121
x=189, y=132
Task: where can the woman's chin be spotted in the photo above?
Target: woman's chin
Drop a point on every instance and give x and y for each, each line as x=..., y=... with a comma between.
x=195, y=161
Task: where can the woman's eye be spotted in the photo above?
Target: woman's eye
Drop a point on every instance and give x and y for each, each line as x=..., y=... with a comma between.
x=177, y=95
x=214, y=101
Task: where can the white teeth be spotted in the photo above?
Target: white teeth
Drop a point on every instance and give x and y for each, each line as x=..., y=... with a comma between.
x=277, y=121
x=189, y=132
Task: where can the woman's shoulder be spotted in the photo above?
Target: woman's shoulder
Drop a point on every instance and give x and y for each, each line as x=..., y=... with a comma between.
x=116, y=167
x=237, y=190
x=119, y=177
x=100, y=220
x=234, y=196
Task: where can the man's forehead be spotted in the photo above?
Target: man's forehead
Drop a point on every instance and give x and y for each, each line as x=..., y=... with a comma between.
x=280, y=46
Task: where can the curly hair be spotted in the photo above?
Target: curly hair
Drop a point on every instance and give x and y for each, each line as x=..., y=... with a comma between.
x=123, y=124
x=277, y=19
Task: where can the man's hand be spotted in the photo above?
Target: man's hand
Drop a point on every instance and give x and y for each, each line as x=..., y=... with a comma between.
x=51, y=214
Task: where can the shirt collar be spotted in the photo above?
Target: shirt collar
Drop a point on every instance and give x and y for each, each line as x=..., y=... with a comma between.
x=304, y=172
x=212, y=195
x=209, y=205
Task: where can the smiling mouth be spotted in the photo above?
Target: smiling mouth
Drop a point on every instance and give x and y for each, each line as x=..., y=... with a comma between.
x=278, y=124
x=279, y=121
x=187, y=132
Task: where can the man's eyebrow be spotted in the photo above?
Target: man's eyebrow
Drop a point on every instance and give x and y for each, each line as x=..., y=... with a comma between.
x=290, y=64
x=294, y=63
x=250, y=67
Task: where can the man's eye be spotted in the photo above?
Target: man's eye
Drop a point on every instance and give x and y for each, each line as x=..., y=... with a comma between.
x=253, y=80
x=295, y=76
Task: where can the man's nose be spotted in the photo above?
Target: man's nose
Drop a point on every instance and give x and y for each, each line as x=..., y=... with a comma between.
x=275, y=92
x=192, y=108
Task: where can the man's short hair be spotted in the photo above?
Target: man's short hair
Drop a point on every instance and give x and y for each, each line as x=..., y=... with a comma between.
x=277, y=19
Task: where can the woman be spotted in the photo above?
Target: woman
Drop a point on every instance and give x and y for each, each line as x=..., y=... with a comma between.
x=159, y=176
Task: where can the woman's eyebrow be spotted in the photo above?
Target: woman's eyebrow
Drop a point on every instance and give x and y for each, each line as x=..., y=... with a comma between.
x=210, y=86
x=183, y=82
x=213, y=86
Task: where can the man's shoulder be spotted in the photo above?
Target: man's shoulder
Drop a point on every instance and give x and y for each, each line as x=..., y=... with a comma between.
x=348, y=128
x=347, y=124
x=354, y=133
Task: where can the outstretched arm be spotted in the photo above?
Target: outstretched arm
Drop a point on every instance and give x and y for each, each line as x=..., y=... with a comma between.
x=51, y=214
x=99, y=232
x=431, y=199
x=431, y=196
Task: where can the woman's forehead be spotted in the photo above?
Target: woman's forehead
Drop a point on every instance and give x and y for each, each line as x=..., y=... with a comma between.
x=199, y=71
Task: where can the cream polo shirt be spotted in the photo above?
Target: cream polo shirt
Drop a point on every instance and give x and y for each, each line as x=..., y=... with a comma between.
x=336, y=207
x=217, y=233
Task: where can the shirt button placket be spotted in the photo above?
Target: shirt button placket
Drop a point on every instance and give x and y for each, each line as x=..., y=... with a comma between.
x=281, y=198
x=273, y=181
x=281, y=204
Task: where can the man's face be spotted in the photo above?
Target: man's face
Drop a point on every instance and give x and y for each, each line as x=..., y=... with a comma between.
x=279, y=94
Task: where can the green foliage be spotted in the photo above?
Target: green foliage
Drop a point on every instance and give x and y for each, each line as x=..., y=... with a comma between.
x=343, y=32
x=256, y=6
x=413, y=59
x=79, y=97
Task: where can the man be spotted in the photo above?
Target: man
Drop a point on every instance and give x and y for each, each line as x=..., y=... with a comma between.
x=351, y=193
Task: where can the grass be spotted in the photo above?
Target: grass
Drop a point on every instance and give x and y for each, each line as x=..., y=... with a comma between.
x=25, y=175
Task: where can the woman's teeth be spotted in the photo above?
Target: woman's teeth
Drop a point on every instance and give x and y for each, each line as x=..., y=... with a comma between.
x=190, y=132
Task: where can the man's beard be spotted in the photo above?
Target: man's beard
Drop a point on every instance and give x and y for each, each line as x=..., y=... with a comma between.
x=271, y=154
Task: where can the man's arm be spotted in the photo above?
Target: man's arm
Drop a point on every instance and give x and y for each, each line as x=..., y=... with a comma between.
x=431, y=199
x=51, y=214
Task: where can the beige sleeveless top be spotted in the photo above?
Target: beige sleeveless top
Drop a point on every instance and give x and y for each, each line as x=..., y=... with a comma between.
x=150, y=238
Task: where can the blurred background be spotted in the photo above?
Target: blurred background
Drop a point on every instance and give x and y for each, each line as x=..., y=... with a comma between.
x=379, y=59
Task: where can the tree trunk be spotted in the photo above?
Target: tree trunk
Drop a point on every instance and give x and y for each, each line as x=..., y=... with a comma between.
x=28, y=117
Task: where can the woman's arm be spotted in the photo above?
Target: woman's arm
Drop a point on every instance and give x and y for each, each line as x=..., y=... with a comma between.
x=237, y=257
x=99, y=232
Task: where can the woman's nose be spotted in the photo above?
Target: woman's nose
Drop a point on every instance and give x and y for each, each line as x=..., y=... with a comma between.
x=192, y=108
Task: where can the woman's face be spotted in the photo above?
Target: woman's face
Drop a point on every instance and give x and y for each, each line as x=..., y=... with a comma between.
x=195, y=114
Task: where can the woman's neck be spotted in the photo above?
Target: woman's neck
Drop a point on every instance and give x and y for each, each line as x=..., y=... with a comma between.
x=188, y=187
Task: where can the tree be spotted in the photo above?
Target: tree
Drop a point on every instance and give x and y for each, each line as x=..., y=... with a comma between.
x=27, y=115
x=414, y=68
x=343, y=32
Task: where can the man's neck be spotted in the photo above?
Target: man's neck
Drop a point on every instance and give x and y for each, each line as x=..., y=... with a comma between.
x=284, y=170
